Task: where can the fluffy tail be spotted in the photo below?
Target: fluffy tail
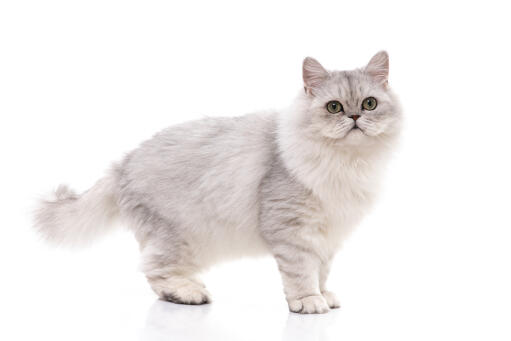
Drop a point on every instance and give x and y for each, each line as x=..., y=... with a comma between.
x=74, y=220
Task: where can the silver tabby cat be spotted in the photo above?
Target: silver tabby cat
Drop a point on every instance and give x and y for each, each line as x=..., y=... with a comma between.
x=292, y=183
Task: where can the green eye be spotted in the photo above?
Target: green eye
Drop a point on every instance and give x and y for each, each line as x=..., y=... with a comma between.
x=369, y=103
x=334, y=107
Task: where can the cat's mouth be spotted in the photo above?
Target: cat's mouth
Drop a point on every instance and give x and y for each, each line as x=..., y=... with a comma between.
x=356, y=129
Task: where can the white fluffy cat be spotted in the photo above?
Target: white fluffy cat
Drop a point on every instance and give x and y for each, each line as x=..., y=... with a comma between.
x=291, y=183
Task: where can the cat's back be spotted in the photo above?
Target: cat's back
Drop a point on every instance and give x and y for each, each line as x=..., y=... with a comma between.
x=209, y=168
x=206, y=144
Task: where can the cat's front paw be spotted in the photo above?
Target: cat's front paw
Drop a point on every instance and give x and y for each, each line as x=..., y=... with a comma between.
x=331, y=299
x=314, y=304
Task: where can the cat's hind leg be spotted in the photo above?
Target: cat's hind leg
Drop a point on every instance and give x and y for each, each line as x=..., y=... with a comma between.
x=180, y=289
x=172, y=274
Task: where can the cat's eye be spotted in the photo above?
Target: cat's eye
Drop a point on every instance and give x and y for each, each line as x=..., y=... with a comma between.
x=334, y=107
x=369, y=103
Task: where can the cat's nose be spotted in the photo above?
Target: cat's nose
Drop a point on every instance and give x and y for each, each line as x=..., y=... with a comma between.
x=354, y=117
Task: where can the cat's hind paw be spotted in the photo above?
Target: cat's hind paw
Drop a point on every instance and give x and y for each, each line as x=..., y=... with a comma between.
x=193, y=297
x=314, y=304
x=183, y=291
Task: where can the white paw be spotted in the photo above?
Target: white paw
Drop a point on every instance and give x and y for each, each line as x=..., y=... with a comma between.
x=314, y=304
x=331, y=299
x=187, y=295
x=184, y=291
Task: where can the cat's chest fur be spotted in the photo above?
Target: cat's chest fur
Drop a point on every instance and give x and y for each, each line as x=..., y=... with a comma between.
x=343, y=189
x=345, y=196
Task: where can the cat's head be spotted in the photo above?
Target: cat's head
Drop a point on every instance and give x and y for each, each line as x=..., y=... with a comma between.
x=349, y=108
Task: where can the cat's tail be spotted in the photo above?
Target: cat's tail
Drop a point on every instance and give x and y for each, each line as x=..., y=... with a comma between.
x=74, y=220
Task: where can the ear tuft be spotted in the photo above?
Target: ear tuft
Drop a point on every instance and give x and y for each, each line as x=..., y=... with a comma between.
x=378, y=67
x=313, y=74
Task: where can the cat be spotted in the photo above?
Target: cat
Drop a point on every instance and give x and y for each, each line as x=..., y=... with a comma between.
x=292, y=183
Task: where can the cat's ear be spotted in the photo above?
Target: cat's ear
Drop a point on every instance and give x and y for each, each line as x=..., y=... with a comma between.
x=378, y=67
x=313, y=75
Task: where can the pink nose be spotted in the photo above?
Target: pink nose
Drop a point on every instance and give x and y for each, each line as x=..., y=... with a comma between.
x=355, y=117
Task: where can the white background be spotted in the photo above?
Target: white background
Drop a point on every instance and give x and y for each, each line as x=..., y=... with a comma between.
x=83, y=82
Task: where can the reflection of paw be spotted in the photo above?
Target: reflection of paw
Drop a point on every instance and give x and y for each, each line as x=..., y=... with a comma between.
x=331, y=299
x=314, y=304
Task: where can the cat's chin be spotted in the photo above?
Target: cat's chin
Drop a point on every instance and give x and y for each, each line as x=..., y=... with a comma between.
x=354, y=137
x=357, y=139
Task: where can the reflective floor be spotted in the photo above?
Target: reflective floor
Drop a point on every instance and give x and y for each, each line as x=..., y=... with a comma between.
x=166, y=320
x=97, y=294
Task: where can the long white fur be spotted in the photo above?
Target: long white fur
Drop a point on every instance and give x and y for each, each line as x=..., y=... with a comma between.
x=292, y=183
x=66, y=218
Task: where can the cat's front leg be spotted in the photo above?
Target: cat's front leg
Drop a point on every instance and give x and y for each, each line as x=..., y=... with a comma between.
x=300, y=269
x=330, y=297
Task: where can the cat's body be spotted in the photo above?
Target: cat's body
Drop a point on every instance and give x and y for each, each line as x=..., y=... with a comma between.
x=291, y=183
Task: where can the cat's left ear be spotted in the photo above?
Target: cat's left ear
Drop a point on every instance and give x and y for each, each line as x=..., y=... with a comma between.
x=378, y=68
x=313, y=75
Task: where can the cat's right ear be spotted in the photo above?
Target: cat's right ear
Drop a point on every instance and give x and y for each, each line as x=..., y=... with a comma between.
x=313, y=75
x=378, y=68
